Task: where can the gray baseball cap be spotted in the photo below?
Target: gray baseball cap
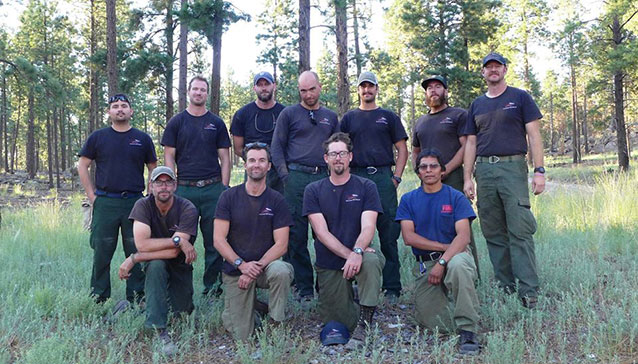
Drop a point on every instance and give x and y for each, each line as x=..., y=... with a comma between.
x=493, y=56
x=367, y=76
x=158, y=171
x=437, y=78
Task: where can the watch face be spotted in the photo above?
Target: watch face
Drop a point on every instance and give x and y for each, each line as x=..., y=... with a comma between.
x=442, y=261
x=238, y=262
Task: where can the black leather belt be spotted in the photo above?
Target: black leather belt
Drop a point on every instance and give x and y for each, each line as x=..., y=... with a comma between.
x=372, y=169
x=122, y=195
x=429, y=257
x=500, y=158
x=306, y=169
x=200, y=183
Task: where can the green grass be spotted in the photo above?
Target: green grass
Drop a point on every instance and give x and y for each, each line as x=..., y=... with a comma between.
x=587, y=244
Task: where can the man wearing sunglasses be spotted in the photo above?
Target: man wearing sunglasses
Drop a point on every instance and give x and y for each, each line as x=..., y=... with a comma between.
x=375, y=133
x=297, y=153
x=197, y=145
x=255, y=122
x=120, y=153
x=435, y=222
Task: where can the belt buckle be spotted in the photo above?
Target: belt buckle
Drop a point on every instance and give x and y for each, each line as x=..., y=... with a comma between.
x=200, y=183
x=435, y=254
x=316, y=170
x=371, y=170
x=493, y=159
x=124, y=194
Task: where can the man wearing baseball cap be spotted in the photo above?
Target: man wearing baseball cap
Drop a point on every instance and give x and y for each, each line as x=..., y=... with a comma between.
x=164, y=228
x=442, y=129
x=498, y=128
x=375, y=133
x=255, y=122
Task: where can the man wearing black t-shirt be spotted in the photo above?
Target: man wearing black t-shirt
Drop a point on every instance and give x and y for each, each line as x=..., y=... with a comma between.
x=196, y=142
x=165, y=228
x=120, y=153
x=343, y=210
x=252, y=223
x=442, y=129
x=375, y=132
x=499, y=125
x=298, y=156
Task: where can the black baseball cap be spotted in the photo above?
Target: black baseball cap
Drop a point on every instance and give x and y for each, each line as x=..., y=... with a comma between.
x=493, y=56
x=438, y=78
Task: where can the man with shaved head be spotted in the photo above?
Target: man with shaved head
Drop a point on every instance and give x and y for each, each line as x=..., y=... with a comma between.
x=297, y=154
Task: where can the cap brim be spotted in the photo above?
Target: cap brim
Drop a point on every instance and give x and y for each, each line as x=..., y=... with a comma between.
x=334, y=341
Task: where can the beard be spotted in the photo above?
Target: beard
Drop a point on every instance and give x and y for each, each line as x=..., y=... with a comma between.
x=441, y=100
x=338, y=169
x=265, y=96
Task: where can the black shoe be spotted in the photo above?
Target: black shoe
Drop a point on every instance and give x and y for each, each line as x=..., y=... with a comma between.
x=167, y=346
x=529, y=302
x=468, y=345
x=391, y=297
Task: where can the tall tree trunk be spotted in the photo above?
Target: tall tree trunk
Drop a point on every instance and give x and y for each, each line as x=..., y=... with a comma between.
x=575, y=134
x=552, y=131
x=111, y=47
x=49, y=149
x=93, y=76
x=63, y=141
x=56, y=160
x=412, y=105
x=183, y=60
x=30, y=147
x=358, y=58
x=14, y=148
x=169, y=65
x=304, y=35
x=3, y=124
x=341, y=33
x=215, y=80
x=619, y=103
x=584, y=127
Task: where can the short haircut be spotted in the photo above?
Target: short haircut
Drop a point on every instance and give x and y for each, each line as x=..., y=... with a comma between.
x=198, y=78
x=338, y=137
x=256, y=146
x=429, y=152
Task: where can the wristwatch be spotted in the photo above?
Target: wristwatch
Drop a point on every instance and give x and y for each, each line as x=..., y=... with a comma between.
x=443, y=262
x=176, y=240
x=238, y=262
x=397, y=178
x=540, y=170
x=358, y=250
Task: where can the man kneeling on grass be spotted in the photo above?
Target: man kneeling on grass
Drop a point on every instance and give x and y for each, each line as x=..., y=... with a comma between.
x=435, y=222
x=252, y=222
x=164, y=229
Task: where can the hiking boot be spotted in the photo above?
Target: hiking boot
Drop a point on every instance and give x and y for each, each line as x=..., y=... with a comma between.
x=529, y=302
x=261, y=307
x=306, y=302
x=168, y=346
x=468, y=344
x=119, y=308
x=391, y=298
x=357, y=338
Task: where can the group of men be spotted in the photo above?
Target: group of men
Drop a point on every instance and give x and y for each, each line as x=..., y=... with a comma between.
x=303, y=165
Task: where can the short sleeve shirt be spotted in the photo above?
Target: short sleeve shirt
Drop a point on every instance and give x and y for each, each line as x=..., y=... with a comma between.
x=119, y=158
x=255, y=124
x=252, y=222
x=373, y=134
x=341, y=206
x=434, y=214
x=196, y=140
x=440, y=131
x=499, y=122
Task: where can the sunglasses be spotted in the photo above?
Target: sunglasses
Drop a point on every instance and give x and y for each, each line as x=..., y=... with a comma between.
x=311, y=114
x=256, y=145
x=119, y=97
x=432, y=166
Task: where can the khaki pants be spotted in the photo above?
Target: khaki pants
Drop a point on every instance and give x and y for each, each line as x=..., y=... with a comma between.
x=336, y=297
x=239, y=312
x=434, y=309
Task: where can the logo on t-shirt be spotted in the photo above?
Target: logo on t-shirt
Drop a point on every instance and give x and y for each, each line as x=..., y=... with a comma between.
x=210, y=126
x=382, y=120
x=446, y=209
x=266, y=211
x=135, y=142
x=510, y=105
x=353, y=197
x=447, y=120
x=324, y=121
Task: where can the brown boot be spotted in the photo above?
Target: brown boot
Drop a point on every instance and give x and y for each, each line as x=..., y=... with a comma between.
x=358, y=336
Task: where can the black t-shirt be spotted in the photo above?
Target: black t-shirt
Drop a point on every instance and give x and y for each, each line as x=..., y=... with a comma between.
x=298, y=140
x=441, y=131
x=499, y=122
x=342, y=207
x=255, y=124
x=373, y=133
x=119, y=158
x=252, y=222
x=196, y=139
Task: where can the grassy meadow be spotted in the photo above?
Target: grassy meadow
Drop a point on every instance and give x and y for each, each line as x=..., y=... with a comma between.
x=587, y=250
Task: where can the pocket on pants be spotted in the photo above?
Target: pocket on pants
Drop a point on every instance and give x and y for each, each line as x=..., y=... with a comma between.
x=527, y=220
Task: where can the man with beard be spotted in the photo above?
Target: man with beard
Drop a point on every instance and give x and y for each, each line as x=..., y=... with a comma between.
x=499, y=125
x=252, y=223
x=343, y=210
x=297, y=153
x=120, y=153
x=165, y=228
x=255, y=122
x=374, y=132
x=196, y=142
x=442, y=129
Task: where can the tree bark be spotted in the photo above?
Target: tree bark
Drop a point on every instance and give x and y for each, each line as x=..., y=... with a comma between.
x=355, y=31
x=111, y=47
x=93, y=76
x=3, y=125
x=341, y=33
x=215, y=81
x=619, y=103
x=552, y=131
x=56, y=159
x=63, y=141
x=169, y=65
x=584, y=127
x=304, y=35
x=30, y=147
x=183, y=61
x=576, y=158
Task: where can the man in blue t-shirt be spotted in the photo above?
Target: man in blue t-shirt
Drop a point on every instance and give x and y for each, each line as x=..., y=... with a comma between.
x=255, y=122
x=120, y=153
x=499, y=125
x=252, y=223
x=197, y=145
x=435, y=222
x=343, y=210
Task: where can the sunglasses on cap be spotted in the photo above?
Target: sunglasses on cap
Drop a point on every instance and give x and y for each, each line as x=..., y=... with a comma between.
x=119, y=97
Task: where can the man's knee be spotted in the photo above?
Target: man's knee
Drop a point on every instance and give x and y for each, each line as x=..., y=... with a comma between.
x=461, y=265
x=279, y=271
x=155, y=268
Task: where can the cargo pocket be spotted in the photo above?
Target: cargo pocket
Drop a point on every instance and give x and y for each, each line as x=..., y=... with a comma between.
x=526, y=218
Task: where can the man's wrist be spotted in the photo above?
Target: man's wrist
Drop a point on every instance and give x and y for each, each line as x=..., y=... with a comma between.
x=133, y=256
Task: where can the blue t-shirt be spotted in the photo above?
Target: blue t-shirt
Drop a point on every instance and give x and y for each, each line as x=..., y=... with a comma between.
x=499, y=122
x=196, y=140
x=119, y=158
x=255, y=124
x=373, y=134
x=342, y=207
x=434, y=214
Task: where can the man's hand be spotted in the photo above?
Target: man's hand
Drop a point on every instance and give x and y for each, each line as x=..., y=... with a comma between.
x=125, y=268
x=436, y=274
x=468, y=188
x=352, y=266
x=188, y=250
x=244, y=281
x=396, y=184
x=251, y=269
x=538, y=183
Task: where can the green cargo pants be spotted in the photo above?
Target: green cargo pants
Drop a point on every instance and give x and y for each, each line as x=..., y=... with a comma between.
x=508, y=224
x=336, y=296
x=110, y=215
x=432, y=306
x=169, y=286
x=205, y=200
x=239, y=304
